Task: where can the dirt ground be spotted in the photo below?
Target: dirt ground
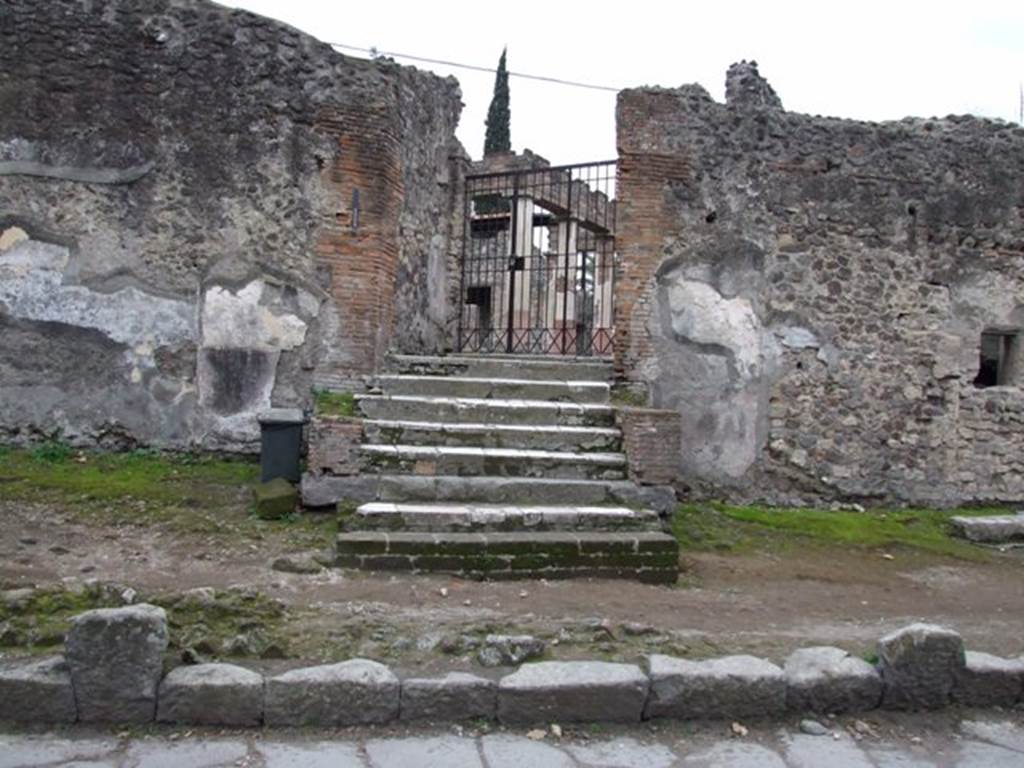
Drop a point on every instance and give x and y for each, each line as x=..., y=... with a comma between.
x=759, y=602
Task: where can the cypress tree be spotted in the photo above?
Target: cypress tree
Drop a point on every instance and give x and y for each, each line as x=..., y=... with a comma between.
x=499, y=119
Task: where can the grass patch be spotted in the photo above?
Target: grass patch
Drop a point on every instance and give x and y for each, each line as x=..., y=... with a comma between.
x=183, y=492
x=334, y=403
x=725, y=528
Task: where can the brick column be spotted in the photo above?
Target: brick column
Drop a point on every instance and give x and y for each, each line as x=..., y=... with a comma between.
x=358, y=244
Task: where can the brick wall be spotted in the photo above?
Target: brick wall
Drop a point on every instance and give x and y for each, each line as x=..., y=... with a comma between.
x=334, y=445
x=651, y=438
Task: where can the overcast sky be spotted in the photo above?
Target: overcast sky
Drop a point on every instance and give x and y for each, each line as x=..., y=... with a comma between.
x=866, y=60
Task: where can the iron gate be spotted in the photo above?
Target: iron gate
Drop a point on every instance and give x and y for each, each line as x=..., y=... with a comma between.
x=538, y=261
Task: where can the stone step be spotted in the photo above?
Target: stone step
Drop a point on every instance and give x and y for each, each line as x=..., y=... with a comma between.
x=495, y=462
x=494, y=388
x=480, y=410
x=506, y=366
x=546, y=438
x=464, y=518
x=327, y=490
x=643, y=555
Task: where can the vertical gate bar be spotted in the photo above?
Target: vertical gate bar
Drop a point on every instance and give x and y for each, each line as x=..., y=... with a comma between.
x=466, y=231
x=565, y=262
x=514, y=234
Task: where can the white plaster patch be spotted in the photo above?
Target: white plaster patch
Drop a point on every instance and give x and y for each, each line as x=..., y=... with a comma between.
x=701, y=315
x=11, y=237
x=242, y=320
x=31, y=287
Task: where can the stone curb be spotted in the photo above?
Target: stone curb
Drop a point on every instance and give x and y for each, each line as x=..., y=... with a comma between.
x=920, y=667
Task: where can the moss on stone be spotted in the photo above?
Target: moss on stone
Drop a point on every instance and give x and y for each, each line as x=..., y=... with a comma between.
x=274, y=499
x=327, y=403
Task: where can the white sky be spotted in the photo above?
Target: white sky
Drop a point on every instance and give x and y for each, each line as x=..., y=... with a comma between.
x=866, y=60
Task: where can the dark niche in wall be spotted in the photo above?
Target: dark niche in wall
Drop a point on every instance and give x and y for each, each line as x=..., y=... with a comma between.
x=998, y=364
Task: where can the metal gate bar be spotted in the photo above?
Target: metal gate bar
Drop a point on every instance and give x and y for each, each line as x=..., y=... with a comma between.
x=538, y=261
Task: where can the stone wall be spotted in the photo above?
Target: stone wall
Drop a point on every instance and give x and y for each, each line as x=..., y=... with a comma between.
x=203, y=213
x=809, y=294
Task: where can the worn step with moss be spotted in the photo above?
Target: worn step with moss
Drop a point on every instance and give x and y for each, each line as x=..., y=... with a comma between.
x=494, y=388
x=486, y=410
x=537, y=367
x=482, y=435
x=646, y=556
x=471, y=517
x=494, y=462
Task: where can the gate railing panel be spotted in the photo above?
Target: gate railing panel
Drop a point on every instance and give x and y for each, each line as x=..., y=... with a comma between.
x=538, y=261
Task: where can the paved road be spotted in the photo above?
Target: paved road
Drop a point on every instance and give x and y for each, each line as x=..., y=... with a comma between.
x=885, y=742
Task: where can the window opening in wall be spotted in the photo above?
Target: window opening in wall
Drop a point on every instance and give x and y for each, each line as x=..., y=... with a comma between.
x=998, y=358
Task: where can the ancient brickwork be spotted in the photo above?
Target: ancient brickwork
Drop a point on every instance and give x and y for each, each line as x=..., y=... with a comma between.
x=334, y=446
x=178, y=196
x=651, y=438
x=810, y=293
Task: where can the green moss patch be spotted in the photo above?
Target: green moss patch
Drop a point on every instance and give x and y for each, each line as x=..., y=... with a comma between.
x=726, y=528
x=328, y=403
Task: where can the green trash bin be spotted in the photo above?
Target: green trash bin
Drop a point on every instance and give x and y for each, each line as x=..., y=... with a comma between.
x=281, y=443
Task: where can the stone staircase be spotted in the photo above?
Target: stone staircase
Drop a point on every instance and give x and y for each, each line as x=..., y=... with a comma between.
x=500, y=467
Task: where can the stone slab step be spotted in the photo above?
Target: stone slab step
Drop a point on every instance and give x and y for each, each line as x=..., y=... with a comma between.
x=643, y=555
x=500, y=462
x=498, y=517
x=506, y=366
x=477, y=410
x=328, y=490
x=539, y=437
x=990, y=529
x=494, y=388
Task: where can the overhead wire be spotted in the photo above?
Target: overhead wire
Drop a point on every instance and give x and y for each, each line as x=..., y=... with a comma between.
x=474, y=67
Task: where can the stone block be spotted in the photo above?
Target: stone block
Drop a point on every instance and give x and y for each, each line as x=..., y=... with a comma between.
x=829, y=680
x=115, y=656
x=354, y=692
x=456, y=696
x=37, y=690
x=510, y=650
x=572, y=691
x=730, y=687
x=920, y=665
x=211, y=694
x=274, y=499
x=989, y=681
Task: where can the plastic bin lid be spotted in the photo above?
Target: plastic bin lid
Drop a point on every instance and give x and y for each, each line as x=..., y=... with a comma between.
x=282, y=416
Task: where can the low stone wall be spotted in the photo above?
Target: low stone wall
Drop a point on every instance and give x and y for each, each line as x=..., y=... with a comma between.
x=112, y=673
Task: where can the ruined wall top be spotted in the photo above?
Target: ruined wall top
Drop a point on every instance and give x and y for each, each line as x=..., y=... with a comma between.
x=746, y=89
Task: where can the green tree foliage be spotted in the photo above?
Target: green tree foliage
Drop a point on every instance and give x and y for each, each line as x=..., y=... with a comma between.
x=499, y=118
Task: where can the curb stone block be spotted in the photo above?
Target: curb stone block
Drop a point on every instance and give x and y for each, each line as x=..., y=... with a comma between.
x=116, y=656
x=920, y=665
x=989, y=681
x=37, y=690
x=829, y=680
x=353, y=692
x=572, y=692
x=730, y=687
x=456, y=696
x=211, y=694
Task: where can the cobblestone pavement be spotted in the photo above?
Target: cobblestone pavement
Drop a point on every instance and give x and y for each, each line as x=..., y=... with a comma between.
x=887, y=741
